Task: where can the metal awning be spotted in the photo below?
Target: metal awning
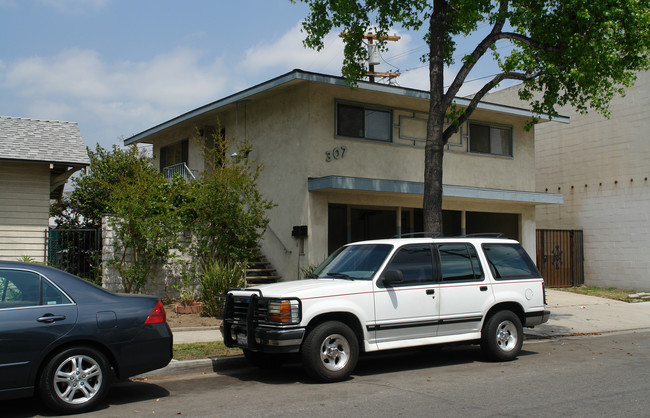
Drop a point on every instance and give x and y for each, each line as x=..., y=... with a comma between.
x=332, y=183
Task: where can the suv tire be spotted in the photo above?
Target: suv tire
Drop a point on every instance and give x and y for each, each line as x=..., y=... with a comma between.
x=502, y=336
x=330, y=352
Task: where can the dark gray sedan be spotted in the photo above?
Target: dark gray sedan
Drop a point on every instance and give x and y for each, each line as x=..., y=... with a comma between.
x=65, y=338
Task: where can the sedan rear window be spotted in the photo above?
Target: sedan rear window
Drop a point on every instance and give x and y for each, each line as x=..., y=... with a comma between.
x=510, y=261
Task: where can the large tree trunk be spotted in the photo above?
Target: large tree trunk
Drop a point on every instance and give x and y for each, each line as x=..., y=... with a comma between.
x=434, y=150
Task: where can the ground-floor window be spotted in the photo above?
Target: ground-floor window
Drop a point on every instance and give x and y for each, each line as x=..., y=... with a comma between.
x=347, y=223
x=487, y=222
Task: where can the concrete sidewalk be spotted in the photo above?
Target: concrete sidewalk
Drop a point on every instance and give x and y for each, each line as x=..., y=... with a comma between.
x=571, y=314
x=575, y=314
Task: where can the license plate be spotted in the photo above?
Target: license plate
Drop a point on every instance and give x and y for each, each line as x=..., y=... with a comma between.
x=242, y=339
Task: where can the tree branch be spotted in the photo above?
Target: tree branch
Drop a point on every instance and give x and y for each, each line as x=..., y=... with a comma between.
x=453, y=128
x=478, y=52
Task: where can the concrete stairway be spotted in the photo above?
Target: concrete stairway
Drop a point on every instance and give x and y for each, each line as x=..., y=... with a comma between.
x=260, y=271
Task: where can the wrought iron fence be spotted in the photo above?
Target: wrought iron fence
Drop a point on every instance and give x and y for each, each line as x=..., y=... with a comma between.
x=560, y=257
x=77, y=251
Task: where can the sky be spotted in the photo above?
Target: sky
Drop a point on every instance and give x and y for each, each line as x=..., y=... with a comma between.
x=119, y=67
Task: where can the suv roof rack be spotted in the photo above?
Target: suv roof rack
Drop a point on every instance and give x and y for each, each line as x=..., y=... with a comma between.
x=419, y=234
x=485, y=234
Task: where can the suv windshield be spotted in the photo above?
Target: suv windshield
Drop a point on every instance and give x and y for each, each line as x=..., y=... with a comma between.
x=354, y=262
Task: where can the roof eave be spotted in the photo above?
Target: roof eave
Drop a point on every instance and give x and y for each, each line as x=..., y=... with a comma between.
x=332, y=80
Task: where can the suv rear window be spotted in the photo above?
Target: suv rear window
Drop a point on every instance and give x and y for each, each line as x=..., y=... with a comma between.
x=509, y=261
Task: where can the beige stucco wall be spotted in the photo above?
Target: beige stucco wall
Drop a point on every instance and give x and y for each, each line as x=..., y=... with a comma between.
x=24, y=209
x=293, y=149
x=292, y=127
x=601, y=166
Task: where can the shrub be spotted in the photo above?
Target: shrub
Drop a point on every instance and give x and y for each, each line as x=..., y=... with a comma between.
x=216, y=278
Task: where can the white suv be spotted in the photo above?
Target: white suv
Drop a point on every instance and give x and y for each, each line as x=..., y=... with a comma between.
x=395, y=293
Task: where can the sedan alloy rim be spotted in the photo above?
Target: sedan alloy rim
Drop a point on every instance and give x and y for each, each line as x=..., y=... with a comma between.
x=77, y=379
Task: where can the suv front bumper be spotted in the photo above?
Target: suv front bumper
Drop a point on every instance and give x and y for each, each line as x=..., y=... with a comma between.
x=268, y=340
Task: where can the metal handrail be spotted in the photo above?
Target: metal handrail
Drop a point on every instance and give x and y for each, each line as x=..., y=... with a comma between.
x=181, y=169
x=286, y=250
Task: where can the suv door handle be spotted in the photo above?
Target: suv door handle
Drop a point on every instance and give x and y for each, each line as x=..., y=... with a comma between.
x=483, y=288
x=431, y=291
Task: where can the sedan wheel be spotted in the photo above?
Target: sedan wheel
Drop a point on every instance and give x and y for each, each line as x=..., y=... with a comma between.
x=74, y=380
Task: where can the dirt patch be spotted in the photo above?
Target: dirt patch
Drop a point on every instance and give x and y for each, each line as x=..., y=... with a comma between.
x=188, y=320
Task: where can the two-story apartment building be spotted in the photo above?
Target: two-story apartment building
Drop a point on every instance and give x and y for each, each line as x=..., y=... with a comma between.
x=348, y=163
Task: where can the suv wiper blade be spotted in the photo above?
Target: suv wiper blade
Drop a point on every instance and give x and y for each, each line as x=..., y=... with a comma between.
x=340, y=276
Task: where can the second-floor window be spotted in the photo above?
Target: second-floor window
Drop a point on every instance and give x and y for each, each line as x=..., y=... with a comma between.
x=173, y=154
x=490, y=139
x=361, y=121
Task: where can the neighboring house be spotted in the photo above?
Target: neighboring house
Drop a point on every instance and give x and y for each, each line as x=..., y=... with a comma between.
x=601, y=167
x=348, y=163
x=36, y=159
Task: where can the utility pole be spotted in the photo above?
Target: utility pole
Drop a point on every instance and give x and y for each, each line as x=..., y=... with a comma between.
x=373, y=55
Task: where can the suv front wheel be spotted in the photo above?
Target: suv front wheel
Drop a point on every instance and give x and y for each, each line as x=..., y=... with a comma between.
x=502, y=336
x=330, y=352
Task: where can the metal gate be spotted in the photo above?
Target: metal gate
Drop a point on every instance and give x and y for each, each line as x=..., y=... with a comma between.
x=560, y=257
x=77, y=251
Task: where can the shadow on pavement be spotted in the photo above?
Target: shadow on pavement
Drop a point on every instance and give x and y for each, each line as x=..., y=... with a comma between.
x=369, y=364
x=121, y=393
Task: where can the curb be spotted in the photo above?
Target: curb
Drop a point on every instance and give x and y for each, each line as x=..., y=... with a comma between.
x=206, y=365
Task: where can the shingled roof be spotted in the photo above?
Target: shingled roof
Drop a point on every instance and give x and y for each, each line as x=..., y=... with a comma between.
x=42, y=140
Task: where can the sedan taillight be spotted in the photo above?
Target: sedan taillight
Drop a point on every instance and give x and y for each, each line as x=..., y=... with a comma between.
x=158, y=315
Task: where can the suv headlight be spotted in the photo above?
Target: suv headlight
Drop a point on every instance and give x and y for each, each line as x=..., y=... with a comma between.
x=284, y=311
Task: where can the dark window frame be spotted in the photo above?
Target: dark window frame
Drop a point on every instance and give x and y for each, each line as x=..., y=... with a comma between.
x=489, y=126
x=364, y=108
x=164, y=153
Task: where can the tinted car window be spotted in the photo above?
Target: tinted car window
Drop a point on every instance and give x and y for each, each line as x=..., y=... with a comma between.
x=415, y=263
x=459, y=262
x=19, y=288
x=52, y=295
x=509, y=261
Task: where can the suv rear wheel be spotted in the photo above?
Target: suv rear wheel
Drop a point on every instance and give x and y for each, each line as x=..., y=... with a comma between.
x=330, y=352
x=502, y=336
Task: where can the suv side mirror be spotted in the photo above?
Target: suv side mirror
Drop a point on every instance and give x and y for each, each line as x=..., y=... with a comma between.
x=391, y=277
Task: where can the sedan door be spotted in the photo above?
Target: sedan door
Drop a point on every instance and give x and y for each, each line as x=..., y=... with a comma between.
x=34, y=313
x=408, y=309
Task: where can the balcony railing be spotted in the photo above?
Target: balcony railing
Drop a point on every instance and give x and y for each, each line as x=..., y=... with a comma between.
x=181, y=169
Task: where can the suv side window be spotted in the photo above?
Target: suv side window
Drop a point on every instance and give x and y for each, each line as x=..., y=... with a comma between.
x=415, y=262
x=459, y=262
x=509, y=261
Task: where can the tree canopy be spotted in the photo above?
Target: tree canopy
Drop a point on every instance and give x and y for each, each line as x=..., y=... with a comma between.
x=565, y=52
